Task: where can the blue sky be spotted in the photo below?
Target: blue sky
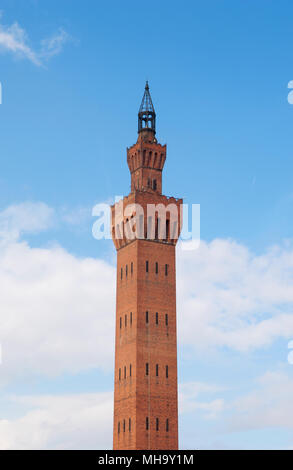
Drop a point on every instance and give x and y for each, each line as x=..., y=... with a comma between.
x=72, y=76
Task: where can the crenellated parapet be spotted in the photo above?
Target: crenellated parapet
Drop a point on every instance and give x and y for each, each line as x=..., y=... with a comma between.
x=146, y=216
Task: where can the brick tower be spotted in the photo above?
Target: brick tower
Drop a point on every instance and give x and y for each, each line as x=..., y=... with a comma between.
x=145, y=395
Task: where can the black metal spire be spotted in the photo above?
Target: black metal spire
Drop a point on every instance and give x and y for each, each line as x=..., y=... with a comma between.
x=146, y=114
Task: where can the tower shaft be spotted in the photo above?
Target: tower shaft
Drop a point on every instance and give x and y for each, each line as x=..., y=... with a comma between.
x=145, y=390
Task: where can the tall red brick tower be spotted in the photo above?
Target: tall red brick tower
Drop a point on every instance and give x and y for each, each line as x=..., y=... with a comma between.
x=145, y=395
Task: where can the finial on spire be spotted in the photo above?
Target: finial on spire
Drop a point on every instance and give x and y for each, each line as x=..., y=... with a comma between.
x=146, y=114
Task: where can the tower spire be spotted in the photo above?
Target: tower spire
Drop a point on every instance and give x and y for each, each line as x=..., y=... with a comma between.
x=146, y=114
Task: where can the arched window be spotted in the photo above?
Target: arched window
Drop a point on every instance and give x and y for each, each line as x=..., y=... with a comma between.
x=150, y=158
x=167, y=229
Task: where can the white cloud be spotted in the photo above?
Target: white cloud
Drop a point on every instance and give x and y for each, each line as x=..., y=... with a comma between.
x=78, y=217
x=54, y=45
x=56, y=312
x=14, y=39
x=57, y=316
x=27, y=217
x=228, y=296
x=269, y=405
x=189, y=400
x=82, y=421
